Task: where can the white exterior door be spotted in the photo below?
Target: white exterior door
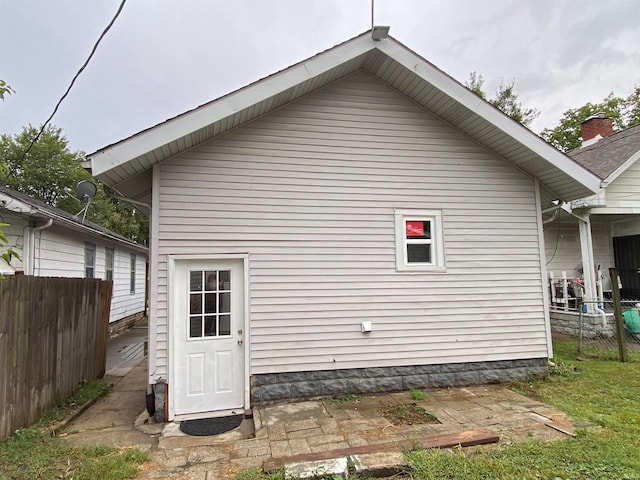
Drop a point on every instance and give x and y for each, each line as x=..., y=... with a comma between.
x=208, y=328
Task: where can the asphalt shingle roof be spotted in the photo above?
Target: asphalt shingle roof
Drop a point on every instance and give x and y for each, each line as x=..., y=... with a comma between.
x=47, y=210
x=606, y=155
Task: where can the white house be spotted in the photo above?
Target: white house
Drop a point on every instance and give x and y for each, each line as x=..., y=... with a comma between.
x=358, y=222
x=601, y=230
x=53, y=243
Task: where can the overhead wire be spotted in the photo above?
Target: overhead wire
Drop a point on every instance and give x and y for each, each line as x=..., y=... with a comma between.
x=73, y=80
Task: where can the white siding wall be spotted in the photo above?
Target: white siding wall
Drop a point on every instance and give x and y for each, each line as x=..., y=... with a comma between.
x=14, y=234
x=60, y=253
x=310, y=192
x=624, y=191
x=125, y=303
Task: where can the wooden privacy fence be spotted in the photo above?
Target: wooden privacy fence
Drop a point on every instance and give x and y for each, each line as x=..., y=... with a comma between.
x=53, y=335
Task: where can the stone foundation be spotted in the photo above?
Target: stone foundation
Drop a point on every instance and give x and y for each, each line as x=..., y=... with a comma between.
x=304, y=385
x=568, y=323
x=125, y=323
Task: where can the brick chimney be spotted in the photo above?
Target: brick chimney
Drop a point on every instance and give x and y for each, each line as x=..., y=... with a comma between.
x=594, y=128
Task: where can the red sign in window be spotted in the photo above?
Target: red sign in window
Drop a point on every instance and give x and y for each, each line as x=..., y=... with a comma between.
x=415, y=229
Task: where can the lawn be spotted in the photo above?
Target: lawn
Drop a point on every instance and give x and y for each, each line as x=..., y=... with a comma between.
x=33, y=453
x=603, y=393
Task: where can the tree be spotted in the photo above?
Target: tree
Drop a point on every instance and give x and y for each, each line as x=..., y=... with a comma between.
x=5, y=253
x=632, y=105
x=5, y=89
x=50, y=172
x=506, y=99
x=624, y=113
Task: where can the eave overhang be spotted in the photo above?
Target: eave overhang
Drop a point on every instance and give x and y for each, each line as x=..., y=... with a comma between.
x=120, y=164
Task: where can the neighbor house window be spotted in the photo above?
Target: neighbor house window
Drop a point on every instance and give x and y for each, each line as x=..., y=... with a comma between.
x=132, y=274
x=108, y=264
x=89, y=260
x=419, y=240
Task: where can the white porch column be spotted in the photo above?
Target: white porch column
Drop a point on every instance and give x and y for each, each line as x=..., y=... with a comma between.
x=588, y=268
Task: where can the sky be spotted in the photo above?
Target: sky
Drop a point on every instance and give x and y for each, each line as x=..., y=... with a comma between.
x=165, y=57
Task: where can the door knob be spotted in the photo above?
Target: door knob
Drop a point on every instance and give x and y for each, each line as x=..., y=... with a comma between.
x=240, y=342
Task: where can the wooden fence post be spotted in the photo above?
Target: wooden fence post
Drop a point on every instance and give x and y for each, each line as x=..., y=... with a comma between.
x=617, y=312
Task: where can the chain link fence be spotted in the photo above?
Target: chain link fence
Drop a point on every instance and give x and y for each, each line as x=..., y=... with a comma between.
x=593, y=329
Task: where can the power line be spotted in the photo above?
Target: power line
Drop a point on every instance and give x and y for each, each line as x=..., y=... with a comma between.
x=73, y=80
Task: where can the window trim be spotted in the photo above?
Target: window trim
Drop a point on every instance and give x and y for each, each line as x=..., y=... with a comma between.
x=109, y=268
x=132, y=274
x=437, y=240
x=88, y=246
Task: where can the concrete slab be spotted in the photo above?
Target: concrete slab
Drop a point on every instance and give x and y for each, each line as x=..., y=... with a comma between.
x=292, y=412
x=381, y=464
x=309, y=431
x=317, y=469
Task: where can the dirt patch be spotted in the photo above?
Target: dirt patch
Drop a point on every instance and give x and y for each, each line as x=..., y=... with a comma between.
x=407, y=414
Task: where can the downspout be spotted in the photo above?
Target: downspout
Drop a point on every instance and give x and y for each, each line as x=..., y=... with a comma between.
x=32, y=241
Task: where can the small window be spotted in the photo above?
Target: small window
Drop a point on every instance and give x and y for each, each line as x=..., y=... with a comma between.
x=108, y=264
x=132, y=274
x=89, y=260
x=419, y=240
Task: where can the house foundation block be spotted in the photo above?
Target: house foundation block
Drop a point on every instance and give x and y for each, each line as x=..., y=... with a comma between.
x=304, y=385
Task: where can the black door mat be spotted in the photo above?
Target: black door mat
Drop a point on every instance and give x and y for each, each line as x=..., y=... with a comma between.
x=210, y=426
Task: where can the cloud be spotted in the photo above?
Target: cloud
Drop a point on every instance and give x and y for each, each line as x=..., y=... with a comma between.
x=165, y=57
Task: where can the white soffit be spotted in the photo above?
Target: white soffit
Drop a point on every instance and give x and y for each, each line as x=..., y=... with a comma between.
x=387, y=60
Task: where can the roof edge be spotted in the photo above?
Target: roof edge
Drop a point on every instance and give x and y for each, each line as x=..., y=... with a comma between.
x=456, y=90
x=30, y=209
x=187, y=122
x=621, y=169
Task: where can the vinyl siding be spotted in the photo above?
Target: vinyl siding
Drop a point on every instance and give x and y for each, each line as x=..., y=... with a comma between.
x=14, y=234
x=310, y=191
x=60, y=253
x=624, y=191
x=124, y=303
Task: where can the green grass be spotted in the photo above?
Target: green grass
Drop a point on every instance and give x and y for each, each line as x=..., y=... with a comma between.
x=347, y=397
x=88, y=391
x=418, y=394
x=604, y=393
x=32, y=453
x=426, y=413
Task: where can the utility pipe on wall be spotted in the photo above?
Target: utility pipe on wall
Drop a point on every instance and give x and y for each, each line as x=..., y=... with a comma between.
x=32, y=241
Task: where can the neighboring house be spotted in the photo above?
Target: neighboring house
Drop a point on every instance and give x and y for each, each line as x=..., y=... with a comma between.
x=601, y=230
x=358, y=222
x=54, y=243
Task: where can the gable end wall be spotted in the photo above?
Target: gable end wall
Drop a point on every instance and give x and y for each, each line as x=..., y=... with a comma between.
x=310, y=191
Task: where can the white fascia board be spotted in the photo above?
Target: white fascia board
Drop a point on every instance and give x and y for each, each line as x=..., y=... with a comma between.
x=621, y=169
x=161, y=134
x=614, y=210
x=473, y=102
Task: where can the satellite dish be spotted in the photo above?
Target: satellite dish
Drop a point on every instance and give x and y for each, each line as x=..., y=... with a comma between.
x=85, y=191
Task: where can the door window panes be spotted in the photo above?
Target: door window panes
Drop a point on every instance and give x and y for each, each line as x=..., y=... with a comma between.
x=209, y=303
